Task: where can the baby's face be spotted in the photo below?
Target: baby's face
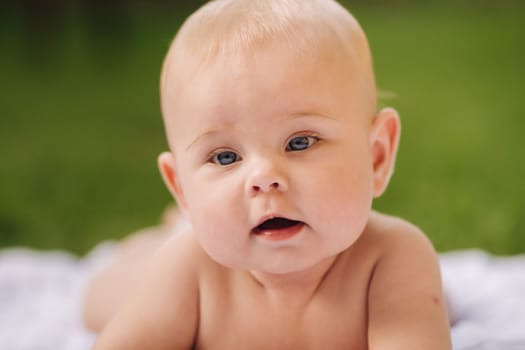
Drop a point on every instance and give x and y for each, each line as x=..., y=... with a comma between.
x=273, y=159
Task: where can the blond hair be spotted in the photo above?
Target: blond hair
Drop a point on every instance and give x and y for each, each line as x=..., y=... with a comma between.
x=302, y=27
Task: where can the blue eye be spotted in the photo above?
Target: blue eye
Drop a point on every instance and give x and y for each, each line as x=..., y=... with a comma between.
x=300, y=143
x=225, y=158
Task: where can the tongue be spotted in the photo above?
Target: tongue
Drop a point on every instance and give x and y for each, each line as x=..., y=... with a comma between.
x=277, y=224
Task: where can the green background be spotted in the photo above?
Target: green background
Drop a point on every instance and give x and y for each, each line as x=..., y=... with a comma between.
x=80, y=126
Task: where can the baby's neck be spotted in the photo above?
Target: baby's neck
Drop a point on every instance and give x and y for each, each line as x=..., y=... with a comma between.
x=299, y=286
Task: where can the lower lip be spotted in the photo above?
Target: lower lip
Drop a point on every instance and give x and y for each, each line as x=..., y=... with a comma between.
x=281, y=234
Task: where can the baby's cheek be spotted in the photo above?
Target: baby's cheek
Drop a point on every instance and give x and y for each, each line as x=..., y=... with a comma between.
x=217, y=226
x=216, y=244
x=347, y=206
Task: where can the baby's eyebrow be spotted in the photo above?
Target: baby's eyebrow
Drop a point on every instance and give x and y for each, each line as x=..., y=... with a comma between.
x=208, y=132
x=310, y=115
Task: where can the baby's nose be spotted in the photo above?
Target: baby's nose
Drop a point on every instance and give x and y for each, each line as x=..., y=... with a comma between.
x=266, y=186
x=266, y=178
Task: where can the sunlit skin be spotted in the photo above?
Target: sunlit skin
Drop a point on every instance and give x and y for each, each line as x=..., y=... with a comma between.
x=274, y=165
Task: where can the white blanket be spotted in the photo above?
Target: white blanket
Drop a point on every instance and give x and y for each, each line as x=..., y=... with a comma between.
x=41, y=293
x=41, y=296
x=486, y=295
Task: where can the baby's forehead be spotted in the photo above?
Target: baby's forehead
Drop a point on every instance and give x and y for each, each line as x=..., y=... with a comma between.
x=239, y=29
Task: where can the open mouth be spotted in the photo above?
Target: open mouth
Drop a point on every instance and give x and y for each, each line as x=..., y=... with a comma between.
x=275, y=225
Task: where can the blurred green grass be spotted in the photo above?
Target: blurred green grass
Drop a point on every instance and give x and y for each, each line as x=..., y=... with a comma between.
x=80, y=126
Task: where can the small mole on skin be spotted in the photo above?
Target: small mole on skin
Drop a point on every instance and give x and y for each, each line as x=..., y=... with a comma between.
x=435, y=300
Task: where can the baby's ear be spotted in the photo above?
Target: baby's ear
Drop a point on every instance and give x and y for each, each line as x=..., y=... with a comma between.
x=166, y=163
x=384, y=141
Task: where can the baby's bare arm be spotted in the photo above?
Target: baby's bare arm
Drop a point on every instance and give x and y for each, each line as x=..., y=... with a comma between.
x=406, y=304
x=162, y=311
x=109, y=287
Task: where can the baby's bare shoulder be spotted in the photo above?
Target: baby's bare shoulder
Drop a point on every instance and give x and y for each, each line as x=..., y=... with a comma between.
x=181, y=248
x=392, y=235
x=182, y=257
x=387, y=242
x=166, y=297
x=405, y=292
x=386, y=238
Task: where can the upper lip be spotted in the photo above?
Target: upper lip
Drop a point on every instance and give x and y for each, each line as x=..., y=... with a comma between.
x=268, y=217
x=265, y=218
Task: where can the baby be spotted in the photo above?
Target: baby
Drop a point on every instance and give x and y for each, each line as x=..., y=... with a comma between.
x=277, y=150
